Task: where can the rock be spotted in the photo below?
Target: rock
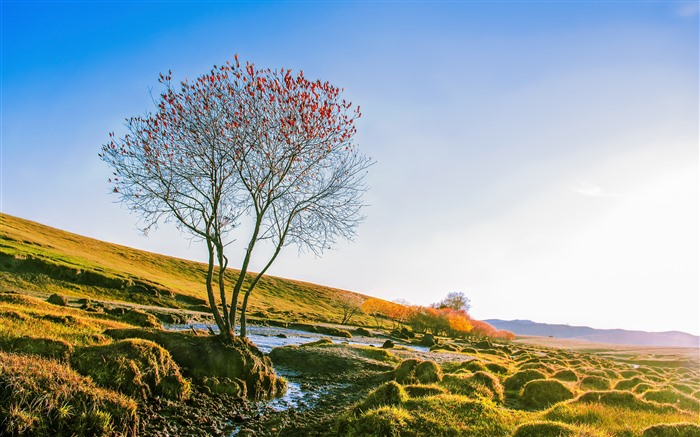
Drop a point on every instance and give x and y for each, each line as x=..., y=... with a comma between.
x=428, y=340
x=57, y=299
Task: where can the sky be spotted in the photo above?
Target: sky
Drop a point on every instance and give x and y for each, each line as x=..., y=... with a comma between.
x=540, y=157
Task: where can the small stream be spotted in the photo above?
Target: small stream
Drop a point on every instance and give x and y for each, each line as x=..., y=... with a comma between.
x=300, y=395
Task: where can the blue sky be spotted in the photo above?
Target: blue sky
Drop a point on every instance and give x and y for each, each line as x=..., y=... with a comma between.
x=541, y=157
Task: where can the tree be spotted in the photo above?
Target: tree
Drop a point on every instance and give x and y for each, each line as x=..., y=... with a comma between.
x=350, y=305
x=241, y=143
x=456, y=301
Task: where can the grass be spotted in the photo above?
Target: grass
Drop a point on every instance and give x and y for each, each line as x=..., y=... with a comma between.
x=40, y=259
x=46, y=398
x=572, y=399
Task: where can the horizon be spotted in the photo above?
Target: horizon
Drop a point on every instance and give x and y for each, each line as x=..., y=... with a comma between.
x=540, y=158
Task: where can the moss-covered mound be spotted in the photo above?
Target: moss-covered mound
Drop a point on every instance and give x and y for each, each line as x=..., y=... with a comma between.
x=519, y=379
x=473, y=365
x=135, y=367
x=413, y=371
x=442, y=415
x=623, y=399
x=595, y=383
x=40, y=397
x=390, y=393
x=545, y=429
x=673, y=397
x=209, y=356
x=422, y=390
x=497, y=368
x=338, y=360
x=627, y=384
x=566, y=375
x=673, y=430
x=541, y=393
x=140, y=318
x=44, y=347
x=479, y=384
x=380, y=422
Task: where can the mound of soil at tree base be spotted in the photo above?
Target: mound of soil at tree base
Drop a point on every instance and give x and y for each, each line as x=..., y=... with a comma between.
x=207, y=356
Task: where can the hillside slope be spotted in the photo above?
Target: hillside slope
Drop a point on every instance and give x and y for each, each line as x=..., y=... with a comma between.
x=611, y=336
x=35, y=257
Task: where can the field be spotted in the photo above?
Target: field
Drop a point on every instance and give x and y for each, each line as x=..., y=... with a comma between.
x=96, y=361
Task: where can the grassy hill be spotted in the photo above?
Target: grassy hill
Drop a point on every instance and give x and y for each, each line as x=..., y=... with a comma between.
x=41, y=259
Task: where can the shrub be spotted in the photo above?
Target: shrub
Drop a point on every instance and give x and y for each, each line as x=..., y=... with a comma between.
x=595, y=383
x=545, y=429
x=390, y=393
x=134, y=367
x=566, y=375
x=672, y=430
x=518, y=380
x=41, y=397
x=541, y=393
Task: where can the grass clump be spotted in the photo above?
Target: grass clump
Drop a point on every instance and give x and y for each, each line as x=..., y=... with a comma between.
x=622, y=399
x=43, y=347
x=545, y=429
x=41, y=397
x=135, y=367
x=516, y=381
x=595, y=383
x=140, y=318
x=381, y=422
x=542, y=393
x=423, y=390
x=612, y=420
x=672, y=397
x=566, y=375
x=479, y=384
x=672, y=430
x=390, y=393
x=497, y=368
x=378, y=354
x=627, y=384
x=473, y=366
x=416, y=371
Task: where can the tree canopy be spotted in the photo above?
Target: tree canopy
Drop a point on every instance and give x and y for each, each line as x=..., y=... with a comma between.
x=241, y=143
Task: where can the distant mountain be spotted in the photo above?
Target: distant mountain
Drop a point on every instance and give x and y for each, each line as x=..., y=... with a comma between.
x=612, y=336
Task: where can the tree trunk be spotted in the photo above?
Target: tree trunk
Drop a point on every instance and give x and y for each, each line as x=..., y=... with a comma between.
x=210, y=292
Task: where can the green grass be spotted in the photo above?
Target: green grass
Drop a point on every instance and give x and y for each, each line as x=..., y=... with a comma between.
x=40, y=259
